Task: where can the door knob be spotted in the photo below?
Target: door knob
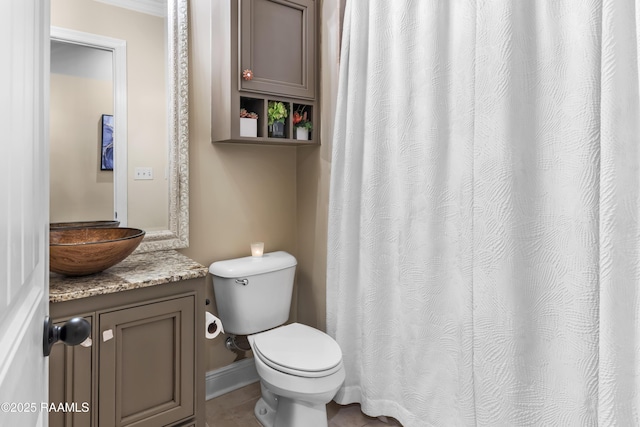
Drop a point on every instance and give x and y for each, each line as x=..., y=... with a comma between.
x=74, y=332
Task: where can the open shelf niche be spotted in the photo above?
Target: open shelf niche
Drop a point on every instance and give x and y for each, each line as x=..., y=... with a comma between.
x=226, y=126
x=287, y=120
x=303, y=109
x=254, y=105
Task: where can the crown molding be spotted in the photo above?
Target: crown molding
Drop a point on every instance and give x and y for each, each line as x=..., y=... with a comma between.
x=150, y=7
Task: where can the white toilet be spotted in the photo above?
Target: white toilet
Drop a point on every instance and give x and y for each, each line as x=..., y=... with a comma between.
x=300, y=367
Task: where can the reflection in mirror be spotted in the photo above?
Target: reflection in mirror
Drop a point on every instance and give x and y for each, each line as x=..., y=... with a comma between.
x=81, y=91
x=149, y=183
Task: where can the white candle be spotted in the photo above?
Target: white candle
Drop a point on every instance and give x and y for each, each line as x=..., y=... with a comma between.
x=257, y=249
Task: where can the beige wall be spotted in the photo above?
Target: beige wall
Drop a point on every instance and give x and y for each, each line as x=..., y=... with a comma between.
x=238, y=193
x=313, y=173
x=146, y=95
x=80, y=191
x=245, y=193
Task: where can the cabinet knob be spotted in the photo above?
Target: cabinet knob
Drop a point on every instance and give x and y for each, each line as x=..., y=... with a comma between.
x=74, y=332
x=247, y=74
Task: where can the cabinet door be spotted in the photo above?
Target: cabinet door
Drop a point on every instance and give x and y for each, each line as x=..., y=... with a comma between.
x=146, y=375
x=277, y=43
x=70, y=382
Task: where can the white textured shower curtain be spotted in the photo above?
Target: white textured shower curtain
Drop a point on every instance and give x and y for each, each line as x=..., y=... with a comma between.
x=484, y=242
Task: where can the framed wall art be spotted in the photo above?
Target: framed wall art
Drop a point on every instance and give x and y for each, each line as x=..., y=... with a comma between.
x=106, y=144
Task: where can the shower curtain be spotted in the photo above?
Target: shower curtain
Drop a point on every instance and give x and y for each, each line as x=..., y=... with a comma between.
x=484, y=236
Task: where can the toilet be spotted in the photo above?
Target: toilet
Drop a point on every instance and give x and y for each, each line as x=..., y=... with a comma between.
x=300, y=367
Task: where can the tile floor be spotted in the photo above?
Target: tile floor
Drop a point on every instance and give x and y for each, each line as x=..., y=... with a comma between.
x=235, y=409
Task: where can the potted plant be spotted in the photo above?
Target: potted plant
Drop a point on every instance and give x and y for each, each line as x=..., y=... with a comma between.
x=277, y=112
x=301, y=123
x=248, y=123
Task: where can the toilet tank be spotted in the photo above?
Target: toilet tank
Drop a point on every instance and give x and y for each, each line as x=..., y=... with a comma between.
x=253, y=294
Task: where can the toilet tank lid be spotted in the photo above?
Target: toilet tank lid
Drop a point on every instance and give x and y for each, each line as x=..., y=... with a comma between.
x=249, y=266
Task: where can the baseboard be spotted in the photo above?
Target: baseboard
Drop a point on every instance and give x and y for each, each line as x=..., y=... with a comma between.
x=231, y=377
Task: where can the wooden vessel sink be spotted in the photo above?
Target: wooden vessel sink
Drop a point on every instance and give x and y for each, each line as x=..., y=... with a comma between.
x=88, y=250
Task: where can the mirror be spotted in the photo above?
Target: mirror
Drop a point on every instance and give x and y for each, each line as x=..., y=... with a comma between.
x=149, y=109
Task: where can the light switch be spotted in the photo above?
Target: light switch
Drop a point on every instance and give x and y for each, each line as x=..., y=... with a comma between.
x=143, y=173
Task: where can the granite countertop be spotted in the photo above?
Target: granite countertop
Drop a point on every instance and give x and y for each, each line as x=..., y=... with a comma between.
x=136, y=271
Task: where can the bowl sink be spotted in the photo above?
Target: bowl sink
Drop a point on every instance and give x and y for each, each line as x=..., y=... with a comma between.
x=81, y=224
x=83, y=251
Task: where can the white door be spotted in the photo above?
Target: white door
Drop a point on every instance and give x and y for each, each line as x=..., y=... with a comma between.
x=24, y=210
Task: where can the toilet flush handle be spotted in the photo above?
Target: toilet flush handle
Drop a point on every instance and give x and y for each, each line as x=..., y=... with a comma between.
x=243, y=282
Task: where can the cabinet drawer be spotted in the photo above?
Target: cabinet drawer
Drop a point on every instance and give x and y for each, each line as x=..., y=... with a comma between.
x=147, y=369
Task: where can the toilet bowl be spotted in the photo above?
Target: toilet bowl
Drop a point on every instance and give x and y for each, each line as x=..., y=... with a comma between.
x=300, y=371
x=300, y=367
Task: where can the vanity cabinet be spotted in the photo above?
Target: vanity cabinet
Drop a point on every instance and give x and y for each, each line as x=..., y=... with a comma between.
x=143, y=366
x=264, y=51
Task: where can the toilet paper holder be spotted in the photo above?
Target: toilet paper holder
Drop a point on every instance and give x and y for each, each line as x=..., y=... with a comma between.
x=212, y=326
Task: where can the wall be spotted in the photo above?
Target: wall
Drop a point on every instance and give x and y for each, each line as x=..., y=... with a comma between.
x=313, y=168
x=238, y=193
x=146, y=91
x=279, y=195
x=80, y=191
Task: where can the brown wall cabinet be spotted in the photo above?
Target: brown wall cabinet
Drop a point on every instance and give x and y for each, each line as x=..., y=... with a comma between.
x=263, y=51
x=277, y=43
x=142, y=365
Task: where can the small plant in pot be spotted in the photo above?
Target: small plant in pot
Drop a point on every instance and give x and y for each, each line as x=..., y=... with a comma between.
x=301, y=123
x=277, y=112
x=248, y=123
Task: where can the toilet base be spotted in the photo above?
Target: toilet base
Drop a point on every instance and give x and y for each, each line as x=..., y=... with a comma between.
x=264, y=413
x=291, y=413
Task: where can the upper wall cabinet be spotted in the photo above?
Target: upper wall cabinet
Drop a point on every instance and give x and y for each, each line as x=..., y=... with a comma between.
x=277, y=47
x=264, y=58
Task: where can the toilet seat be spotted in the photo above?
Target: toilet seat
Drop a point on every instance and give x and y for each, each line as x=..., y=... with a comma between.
x=298, y=350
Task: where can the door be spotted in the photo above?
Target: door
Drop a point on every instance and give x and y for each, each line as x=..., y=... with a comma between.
x=24, y=195
x=146, y=359
x=277, y=43
x=71, y=381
